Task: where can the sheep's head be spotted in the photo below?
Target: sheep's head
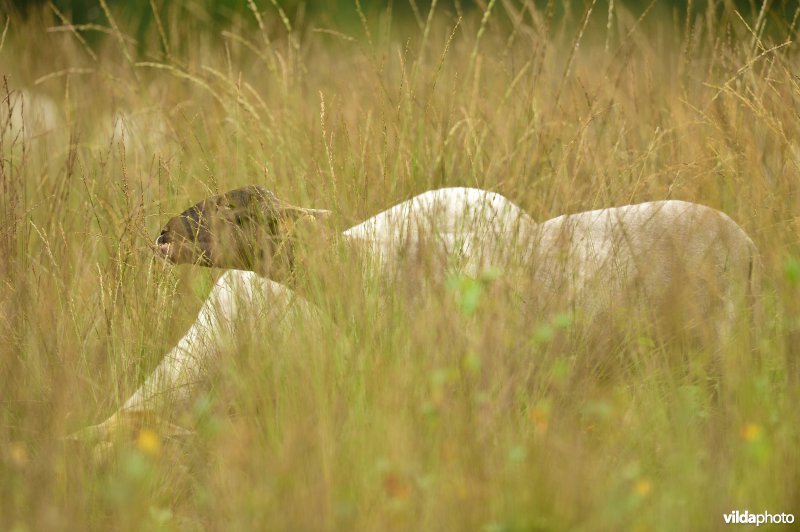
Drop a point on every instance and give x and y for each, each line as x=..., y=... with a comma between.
x=247, y=228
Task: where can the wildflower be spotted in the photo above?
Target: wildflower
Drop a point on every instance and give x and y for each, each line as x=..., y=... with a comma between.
x=643, y=487
x=396, y=487
x=751, y=432
x=148, y=442
x=18, y=455
x=540, y=418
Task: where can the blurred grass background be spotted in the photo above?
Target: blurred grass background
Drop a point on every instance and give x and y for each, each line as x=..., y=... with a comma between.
x=116, y=115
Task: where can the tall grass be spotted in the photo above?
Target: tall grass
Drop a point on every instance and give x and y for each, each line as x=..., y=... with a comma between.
x=434, y=415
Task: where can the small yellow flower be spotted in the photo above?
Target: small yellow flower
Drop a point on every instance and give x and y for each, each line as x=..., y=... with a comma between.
x=643, y=487
x=396, y=487
x=18, y=454
x=751, y=432
x=540, y=418
x=148, y=442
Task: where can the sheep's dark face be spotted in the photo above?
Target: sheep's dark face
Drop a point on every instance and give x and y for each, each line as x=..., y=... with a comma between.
x=247, y=228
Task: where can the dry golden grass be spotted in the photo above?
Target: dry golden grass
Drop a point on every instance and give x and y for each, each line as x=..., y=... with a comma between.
x=403, y=418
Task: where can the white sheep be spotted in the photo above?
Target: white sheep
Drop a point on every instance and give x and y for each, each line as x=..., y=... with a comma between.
x=590, y=261
x=29, y=116
x=666, y=254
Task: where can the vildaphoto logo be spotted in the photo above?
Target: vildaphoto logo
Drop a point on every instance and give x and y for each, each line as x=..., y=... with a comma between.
x=747, y=518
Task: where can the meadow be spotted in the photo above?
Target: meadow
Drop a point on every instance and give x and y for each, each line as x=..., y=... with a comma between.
x=455, y=413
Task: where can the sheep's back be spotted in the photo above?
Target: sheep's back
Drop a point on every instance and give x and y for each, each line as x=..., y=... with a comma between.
x=469, y=229
x=667, y=254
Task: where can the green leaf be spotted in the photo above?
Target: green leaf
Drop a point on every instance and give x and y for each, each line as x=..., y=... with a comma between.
x=517, y=454
x=472, y=362
x=467, y=292
x=562, y=320
x=791, y=269
x=544, y=334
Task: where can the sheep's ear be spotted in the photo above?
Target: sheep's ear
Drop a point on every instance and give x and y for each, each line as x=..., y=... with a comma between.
x=277, y=212
x=296, y=213
x=290, y=218
x=300, y=223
